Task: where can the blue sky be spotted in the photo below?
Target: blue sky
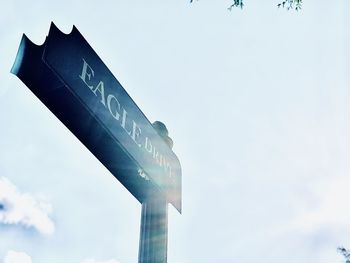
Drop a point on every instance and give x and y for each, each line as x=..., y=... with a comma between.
x=256, y=101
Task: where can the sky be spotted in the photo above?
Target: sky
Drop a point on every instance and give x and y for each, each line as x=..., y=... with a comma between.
x=255, y=100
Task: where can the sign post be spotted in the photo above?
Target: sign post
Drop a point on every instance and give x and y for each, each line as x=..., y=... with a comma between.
x=154, y=231
x=154, y=219
x=67, y=75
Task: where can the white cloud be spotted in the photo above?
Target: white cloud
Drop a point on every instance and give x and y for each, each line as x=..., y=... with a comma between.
x=17, y=257
x=21, y=257
x=24, y=209
x=91, y=260
x=318, y=227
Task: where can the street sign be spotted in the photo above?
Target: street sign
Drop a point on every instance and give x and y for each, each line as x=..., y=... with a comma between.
x=67, y=75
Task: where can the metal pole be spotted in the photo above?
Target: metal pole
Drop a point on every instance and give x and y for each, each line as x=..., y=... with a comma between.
x=154, y=231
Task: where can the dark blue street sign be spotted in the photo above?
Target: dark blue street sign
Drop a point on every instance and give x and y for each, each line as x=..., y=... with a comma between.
x=67, y=75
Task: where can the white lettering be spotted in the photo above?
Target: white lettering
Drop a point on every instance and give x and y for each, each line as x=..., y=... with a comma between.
x=155, y=155
x=148, y=145
x=119, y=113
x=123, y=124
x=101, y=89
x=136, y=131
x=85, y=73
x=114, y=113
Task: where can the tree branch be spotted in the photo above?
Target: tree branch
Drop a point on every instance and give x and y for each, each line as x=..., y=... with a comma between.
x=289, y=4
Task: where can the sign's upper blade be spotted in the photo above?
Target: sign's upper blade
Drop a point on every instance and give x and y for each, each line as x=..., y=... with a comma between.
x=90, y=101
